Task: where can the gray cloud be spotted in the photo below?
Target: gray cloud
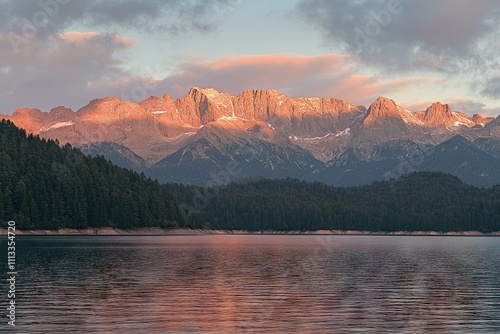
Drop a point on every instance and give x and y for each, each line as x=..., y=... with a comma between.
x=473, y=107
x=55, y=81
x=175, y=16
x=41, y=64
x=295, y=75
x=402, y=35
x=43, y=72
x=469, y=107
x=492, y=88
x=172, y=15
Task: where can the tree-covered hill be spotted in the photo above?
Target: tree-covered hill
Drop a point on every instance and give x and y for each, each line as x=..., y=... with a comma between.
x=45, y=186
x=415, y=202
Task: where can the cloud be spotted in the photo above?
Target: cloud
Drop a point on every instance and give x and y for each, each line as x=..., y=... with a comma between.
x=55, y=80
x=50, y=17
x=405, y=35
x=82, y=38
x=329, y=75
x=491, y=88
x=237, y=73
x=472, y=107
x=469, y=107
x=42, y=61
x=57, y=70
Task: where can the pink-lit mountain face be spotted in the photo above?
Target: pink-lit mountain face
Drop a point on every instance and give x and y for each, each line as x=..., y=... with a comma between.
x=156, y=126
x=300, y=137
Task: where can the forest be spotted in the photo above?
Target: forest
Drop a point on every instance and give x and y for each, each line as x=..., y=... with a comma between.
x=414, y=202
x=44, y=185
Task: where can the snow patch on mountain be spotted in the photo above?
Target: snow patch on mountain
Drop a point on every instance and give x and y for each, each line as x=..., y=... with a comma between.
x=228, y=118
x=344, y=133
x=462, y=119
x=59, y=125
x=409, y=117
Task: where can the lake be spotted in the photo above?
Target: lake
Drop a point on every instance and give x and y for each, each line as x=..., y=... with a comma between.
x=256, y=284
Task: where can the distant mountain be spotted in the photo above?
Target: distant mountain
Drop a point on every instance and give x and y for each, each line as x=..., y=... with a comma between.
x=462, y=158
x=489, y=145
x=46, y=186
x=118, y=154
x=193, y=138
x=220, y=154
x=383, y=122
x=359, y=166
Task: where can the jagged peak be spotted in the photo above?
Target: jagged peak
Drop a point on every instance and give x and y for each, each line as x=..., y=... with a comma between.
x=61, y=110
x=276, y=93
x=478, y=119
x=26, y=112
x=382, y=108
x=167, y=96
x=210, y=93
x=152, y=98
x=383, y=99
x=157, y=102
x=103, y=108
x=385, y=112
x=438, y=114
x=97, y=102
x=267, y=92
x=438, y=107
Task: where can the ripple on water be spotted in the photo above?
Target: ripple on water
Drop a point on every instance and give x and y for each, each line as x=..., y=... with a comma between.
x=272, y=284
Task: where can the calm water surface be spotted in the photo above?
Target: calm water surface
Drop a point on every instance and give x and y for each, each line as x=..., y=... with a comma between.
x=261, y=284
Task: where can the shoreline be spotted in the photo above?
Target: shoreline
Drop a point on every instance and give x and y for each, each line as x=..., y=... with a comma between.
x=108, y=231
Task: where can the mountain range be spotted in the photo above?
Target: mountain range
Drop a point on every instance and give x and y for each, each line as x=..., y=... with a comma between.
x=209, y=137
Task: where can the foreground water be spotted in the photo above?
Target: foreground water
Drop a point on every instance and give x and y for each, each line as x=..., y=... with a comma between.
x=268, y=284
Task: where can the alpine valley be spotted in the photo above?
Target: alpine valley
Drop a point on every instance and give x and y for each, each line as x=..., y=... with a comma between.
x=209, y=137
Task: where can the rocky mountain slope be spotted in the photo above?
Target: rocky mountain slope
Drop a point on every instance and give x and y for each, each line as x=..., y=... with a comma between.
x=209, y=136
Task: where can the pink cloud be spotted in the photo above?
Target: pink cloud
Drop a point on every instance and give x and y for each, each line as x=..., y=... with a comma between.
x=100, y=74
x=82, y=38
x=299, y=62
x=55, y=70
x=330, y=75
x=237, y=73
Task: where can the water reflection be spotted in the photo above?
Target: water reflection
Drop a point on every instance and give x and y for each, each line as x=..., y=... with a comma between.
x=272, y=284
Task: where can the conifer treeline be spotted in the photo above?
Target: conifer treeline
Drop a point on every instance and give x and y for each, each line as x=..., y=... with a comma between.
x=414, y=202
x=44, y=186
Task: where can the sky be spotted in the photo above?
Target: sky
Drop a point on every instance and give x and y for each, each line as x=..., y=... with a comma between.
x=68, y=52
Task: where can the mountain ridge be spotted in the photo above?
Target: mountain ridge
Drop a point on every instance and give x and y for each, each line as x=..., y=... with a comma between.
x=317, y=130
